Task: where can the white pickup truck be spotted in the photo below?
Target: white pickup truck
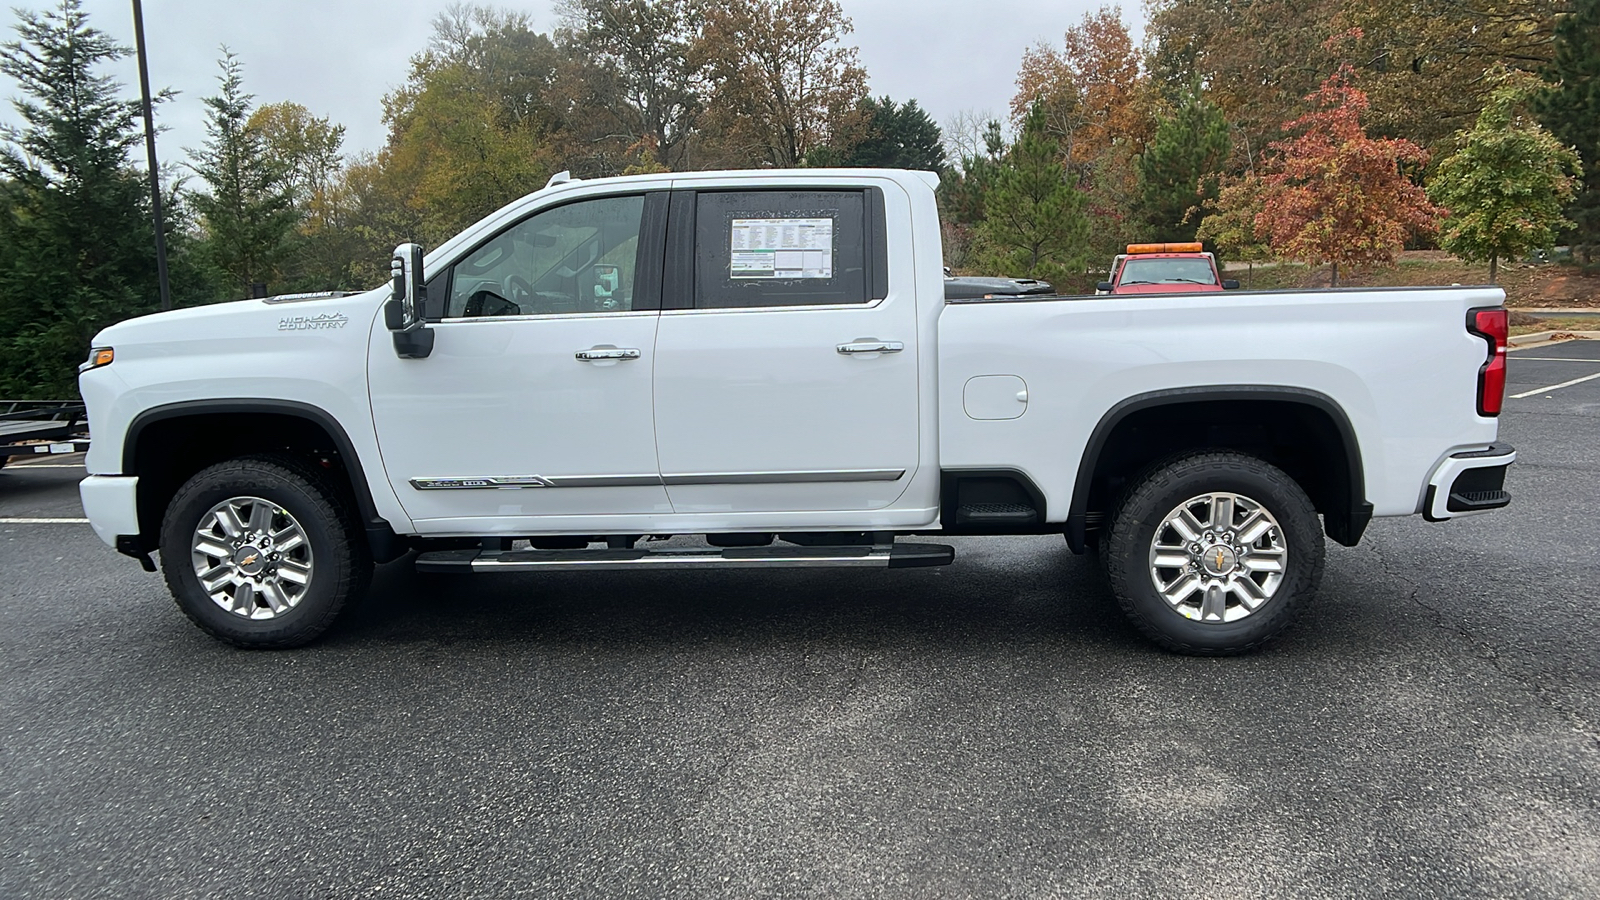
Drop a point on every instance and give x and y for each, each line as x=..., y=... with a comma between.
x=767, y=359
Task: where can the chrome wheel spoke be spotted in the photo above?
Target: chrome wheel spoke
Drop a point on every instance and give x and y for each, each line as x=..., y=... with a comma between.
x=1186, y=525
x=1221, y=512
x=1180, y=590
x=214, y=551
x=260, y=517
x=1215, y=605
x=244, y=598
x=293, y=572
x=287, y=539
x=1170, y=558
x=273, y=595
x=1253, y=527
x=228, y=520
x=1249, y=593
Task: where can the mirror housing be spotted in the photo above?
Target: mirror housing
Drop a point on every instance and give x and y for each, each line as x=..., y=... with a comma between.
x=1230, y=284
x=1103, y=287
x=405, y=312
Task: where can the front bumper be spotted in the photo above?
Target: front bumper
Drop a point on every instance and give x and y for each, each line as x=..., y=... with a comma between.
x=1472, y=481
x=111, y=503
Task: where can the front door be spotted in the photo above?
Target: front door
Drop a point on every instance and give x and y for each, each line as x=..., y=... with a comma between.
x=536, y=400
x=789, y=383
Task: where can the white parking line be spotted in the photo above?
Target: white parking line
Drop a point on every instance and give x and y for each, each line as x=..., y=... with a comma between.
x=1555, y=387
x=19, y=521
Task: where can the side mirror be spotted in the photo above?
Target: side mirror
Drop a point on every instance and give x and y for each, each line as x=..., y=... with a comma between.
x=404, y=313
x=1230, y=284
x=1103, y=287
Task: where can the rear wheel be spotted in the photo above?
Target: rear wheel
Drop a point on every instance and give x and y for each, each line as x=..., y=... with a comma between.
x=263, y=552
x=1214, y=553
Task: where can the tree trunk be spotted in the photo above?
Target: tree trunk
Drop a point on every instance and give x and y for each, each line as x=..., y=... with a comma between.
x=1334, y=281
x=1494, y=267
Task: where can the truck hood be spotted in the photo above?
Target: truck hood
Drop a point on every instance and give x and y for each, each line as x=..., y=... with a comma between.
x=247, y=319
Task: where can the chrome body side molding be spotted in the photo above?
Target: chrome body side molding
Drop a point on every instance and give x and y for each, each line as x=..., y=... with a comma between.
x=513, y=482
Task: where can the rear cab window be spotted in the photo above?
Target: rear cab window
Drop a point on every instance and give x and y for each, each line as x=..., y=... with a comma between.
x=780, y=248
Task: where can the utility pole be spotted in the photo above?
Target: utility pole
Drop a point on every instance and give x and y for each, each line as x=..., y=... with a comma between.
x=150, y=152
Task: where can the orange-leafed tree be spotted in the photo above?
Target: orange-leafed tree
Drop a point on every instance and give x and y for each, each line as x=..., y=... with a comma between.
x=1334, y=194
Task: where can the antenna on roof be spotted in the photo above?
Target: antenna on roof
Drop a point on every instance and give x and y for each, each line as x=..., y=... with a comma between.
x=561, y=177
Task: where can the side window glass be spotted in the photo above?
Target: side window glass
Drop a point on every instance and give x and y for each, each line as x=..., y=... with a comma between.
x=577, y=258
x=779, y=248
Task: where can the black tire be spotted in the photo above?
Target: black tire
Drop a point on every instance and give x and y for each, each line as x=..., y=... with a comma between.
x=1159, y=493
x=324, y=513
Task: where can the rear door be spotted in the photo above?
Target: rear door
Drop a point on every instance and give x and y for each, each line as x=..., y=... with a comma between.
x=786, y=361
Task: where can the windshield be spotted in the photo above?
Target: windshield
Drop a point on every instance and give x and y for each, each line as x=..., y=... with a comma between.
x=1178, y=270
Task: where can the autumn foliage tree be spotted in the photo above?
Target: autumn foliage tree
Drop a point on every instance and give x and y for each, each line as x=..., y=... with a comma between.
x=1506, y=185
x=1336, y=195
x=784, y=81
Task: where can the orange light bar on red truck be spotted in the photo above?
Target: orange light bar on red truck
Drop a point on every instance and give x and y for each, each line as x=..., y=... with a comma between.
x=1164, y=248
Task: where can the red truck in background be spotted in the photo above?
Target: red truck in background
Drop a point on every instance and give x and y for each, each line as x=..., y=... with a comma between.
x=1164, y=269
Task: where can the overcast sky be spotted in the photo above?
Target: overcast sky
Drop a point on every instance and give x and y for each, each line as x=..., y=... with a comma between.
x=339, y=57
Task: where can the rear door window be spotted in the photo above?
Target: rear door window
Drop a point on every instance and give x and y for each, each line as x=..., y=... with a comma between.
x=781, y=248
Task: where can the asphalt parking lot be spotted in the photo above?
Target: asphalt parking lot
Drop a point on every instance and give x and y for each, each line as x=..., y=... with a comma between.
x=1431, y=728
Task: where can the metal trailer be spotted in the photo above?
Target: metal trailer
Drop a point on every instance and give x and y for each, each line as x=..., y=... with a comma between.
x=34, y=427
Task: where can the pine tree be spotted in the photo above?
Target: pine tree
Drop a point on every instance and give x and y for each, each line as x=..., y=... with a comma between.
x=1505, y=187
x=248, y=215
x=891, y=136
x=1034, y=224
x=1570, y=108
x=1179, y=169
x=77, y=248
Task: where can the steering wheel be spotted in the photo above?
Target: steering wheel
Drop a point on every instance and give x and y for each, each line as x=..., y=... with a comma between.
x=519, y=289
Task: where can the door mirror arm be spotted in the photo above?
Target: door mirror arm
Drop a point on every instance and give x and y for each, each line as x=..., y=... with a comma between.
x=405, y=312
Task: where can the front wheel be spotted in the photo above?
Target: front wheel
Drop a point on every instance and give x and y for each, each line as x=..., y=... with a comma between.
x=1214, y=553
x=263, y=552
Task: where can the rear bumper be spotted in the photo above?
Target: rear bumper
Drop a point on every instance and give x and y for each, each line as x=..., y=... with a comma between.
x=111, y=503
x=1472, y=481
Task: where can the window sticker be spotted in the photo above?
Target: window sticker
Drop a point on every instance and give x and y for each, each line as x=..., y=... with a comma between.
x=781, y=248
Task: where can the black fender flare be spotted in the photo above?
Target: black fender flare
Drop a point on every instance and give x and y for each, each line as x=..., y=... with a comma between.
x=385, y=544
x=1344, y=526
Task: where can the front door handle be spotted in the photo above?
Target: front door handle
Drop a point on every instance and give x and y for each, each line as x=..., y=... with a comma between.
x=607, y=353
x=872, y=347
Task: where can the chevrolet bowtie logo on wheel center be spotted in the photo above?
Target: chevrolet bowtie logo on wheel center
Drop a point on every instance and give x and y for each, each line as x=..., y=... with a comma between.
x=249, y=561
x=1220, y=560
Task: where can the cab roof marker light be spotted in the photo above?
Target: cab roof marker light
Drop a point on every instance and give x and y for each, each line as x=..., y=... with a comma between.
x=1186, y=247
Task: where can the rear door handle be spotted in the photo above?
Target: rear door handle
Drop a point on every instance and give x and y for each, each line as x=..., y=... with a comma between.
x=607, y=353
x=872, y=347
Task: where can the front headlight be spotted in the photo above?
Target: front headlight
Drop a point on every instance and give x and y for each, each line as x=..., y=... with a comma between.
x=99, y=356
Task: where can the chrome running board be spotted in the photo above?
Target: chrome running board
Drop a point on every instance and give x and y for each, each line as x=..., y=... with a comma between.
x=881, y=556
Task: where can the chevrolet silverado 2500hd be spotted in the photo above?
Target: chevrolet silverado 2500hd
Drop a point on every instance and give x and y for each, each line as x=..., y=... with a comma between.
x=767, y=359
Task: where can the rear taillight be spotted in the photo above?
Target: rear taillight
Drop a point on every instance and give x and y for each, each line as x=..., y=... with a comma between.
x=1491, y=325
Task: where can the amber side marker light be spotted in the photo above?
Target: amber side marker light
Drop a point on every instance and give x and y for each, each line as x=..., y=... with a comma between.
x=99, y=356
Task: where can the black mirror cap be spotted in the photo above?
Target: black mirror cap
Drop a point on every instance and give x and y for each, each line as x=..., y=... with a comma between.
x=414, y=344
x=394, y=314
x=1104, y=287
x=1230, y=284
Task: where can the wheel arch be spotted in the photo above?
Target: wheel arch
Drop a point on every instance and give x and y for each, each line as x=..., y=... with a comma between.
x=1329, y=470
x=154, y=450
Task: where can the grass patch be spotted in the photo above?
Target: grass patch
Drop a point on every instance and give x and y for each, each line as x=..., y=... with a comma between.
x=1555, y=323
